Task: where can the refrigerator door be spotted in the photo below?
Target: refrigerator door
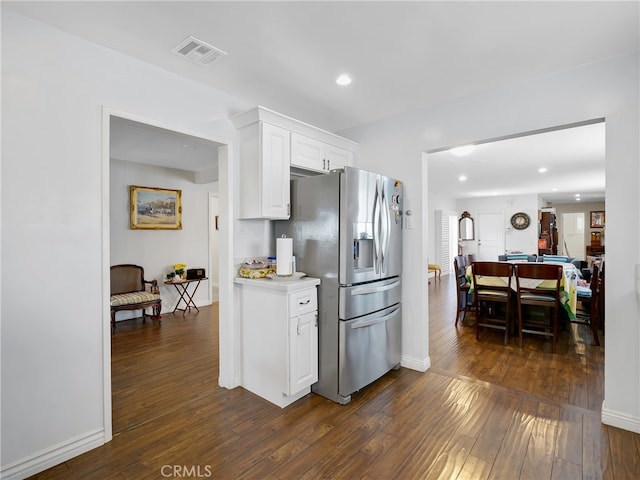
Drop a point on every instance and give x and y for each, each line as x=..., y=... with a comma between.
x=391, y=227
x=370, y=226
x=369, y=347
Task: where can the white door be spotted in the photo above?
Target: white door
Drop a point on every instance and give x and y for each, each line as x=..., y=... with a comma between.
x=573, y=235
x=490, y=230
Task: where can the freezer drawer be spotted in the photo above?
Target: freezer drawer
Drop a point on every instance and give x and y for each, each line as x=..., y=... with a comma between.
x=365, y=298
x=369, y=347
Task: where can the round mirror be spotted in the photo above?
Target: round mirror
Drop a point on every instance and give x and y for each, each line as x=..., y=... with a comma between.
x=465, y=227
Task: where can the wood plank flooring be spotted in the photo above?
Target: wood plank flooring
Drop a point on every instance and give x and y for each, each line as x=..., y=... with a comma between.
x=483, y=411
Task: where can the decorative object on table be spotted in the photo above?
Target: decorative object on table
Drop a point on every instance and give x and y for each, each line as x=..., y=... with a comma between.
x=284, y=256
x=520, y=221
x=180, y=269
x=196, y=273
x=257, y=268
x=154, y=208
x=597, y=219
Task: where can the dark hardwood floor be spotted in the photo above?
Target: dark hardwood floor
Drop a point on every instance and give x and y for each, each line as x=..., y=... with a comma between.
x=482, y=411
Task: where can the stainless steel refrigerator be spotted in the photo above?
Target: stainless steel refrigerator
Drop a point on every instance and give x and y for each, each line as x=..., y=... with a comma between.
x=347, y=230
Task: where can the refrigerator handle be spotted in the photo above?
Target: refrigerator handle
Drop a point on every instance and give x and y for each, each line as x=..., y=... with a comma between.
x=367, y=290
x=385, y=230
x=368, y=323
x=376, y=230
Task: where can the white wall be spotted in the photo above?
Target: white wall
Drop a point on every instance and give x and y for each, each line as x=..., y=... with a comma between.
x=54, y=87
x=607, y=89
x=157, y=250
x=526, y=240
x=585, y=208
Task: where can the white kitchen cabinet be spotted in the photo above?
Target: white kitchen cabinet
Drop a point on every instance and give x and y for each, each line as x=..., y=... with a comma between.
x=265, y=143
x=311, y=154
x=279, y=334
x=264, y=156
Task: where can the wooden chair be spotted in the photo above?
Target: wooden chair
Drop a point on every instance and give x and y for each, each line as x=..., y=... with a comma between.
x=492, y=287
x=528, y=277
x=590, y=315
x=128, y=292
x=437, y=271
x=462, y=288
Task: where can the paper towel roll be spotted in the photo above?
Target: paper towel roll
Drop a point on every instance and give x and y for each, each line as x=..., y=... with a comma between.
x=284, y=256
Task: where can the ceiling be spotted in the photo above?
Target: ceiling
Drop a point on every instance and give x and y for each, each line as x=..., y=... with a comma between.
x=403, y=56
x=574, y=159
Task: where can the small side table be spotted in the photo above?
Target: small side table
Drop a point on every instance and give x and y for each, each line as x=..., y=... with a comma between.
x=183, y=289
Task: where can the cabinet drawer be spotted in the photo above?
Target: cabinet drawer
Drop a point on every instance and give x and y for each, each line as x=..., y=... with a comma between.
x=303, y=302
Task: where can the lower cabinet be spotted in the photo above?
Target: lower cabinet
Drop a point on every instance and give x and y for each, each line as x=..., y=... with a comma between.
x=303, y=351
x=279, y=334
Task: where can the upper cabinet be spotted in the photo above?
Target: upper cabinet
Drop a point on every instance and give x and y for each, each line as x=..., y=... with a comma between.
x=311, y=154
x=269, y=145
x=265, y=154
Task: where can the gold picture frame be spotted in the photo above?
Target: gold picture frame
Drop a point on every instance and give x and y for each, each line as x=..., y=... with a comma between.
x=597, y=219
x=155, y=208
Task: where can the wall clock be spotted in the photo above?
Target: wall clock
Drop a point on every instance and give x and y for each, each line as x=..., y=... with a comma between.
x=520, y=221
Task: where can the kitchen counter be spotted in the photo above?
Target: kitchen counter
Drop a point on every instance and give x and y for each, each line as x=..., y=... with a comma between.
x=279, y=335
x=285, y=284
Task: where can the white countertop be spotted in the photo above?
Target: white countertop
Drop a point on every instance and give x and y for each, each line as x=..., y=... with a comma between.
x=287, y=284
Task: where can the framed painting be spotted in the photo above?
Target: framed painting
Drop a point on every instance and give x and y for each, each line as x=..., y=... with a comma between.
x=155, y=208
x=597, y=219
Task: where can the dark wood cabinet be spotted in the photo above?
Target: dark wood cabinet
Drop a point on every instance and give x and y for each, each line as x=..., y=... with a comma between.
x=594, y=250
x=548, y=239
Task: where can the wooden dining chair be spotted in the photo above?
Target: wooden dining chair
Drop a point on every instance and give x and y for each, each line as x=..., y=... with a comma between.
x=590, y=301
x=464, y=302
x=538, y=285
x=492, y=288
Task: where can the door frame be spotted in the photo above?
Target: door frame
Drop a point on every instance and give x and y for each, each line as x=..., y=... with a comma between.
x=227, y=336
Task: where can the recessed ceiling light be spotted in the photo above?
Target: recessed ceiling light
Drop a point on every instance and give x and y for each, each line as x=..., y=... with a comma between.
x=577, y=195
x=344, y=80
x=462, y=178
x=463, y=150
x=542, y=169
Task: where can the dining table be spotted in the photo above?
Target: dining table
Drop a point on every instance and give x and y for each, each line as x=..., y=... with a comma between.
x=569, y=284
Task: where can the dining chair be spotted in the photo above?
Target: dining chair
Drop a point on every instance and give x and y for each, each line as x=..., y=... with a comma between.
x=492, y=288
x=538, y=285
x=590, y=301
x=463, y=296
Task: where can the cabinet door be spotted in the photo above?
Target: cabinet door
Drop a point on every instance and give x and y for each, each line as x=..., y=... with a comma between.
x=303, y=351
x=307, y=153
x=276, y=158
x=337, y=157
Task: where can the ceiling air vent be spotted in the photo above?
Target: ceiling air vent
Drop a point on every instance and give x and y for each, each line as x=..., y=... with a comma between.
x=197, y=51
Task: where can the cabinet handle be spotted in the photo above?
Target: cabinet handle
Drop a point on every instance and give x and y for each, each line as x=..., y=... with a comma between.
x=305, y=302
x=328, y=164
x=288, y=209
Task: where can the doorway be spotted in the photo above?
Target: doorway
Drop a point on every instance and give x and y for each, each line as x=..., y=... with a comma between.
x=138, y=151
x=490, y=236
x=573, y=234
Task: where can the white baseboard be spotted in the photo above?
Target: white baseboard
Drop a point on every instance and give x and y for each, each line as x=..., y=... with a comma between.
x=620, y=420
x=52, y=456
x=419, y=364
